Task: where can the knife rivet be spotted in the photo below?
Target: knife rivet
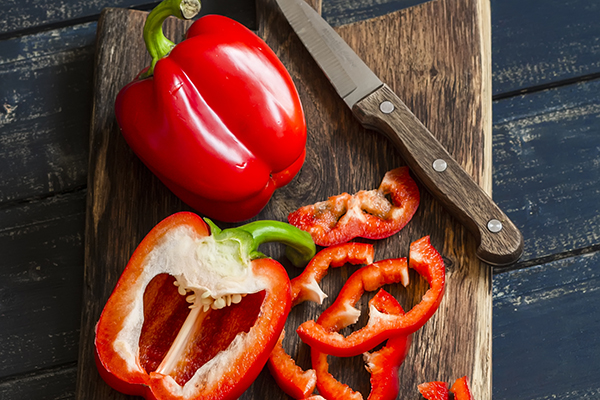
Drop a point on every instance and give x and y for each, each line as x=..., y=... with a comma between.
x=494, y=225
x=386, y=107
x=440, y=165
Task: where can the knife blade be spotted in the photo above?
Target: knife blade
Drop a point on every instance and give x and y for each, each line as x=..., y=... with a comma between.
x=377, y=107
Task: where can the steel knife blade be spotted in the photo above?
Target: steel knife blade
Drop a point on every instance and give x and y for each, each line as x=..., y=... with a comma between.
x=377, y=107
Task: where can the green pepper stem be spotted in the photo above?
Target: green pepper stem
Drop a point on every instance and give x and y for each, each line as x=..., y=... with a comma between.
x=156, y=42
x=300, y=245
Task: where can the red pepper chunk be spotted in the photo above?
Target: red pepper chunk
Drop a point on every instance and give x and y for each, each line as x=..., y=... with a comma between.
x=289, y=376
x=425, y=260
x=197, y=311
x=439, y=390
x=216, y=118
x=383, y=364
x=366, y=214
x=461, y=390
x=434, y=390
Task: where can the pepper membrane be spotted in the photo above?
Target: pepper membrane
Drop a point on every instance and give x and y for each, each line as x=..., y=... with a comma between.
x=197, y=310
x=216, y=117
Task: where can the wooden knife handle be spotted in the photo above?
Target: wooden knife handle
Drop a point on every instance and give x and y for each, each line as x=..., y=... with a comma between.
x=499, y=240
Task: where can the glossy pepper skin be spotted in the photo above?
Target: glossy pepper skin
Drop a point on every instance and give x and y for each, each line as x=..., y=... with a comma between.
x=426, y=261
x=382, y=364
x=292, y=379
x=434, y=390
x=216, y=118
x=197, y=311
x=437, y=390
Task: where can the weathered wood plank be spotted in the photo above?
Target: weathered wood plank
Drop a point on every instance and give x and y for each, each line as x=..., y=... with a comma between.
x=45, y=95
x=547, y=167
x=50, y=384
x=341, y=12
x=18, y=15
x=541, y=42
x=40, y=282
x=545, y=325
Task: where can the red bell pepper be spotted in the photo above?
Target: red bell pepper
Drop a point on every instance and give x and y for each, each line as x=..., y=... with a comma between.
x=382, y=364
x=435, y=390
x=216, y=118
x=366, y=214
x=289, y=376
x=460, y=389
x=425, y=260
x=439, y=390
x=197, y=311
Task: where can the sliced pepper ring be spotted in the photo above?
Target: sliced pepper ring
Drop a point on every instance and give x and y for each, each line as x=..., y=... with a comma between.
x=426, y=261
x=289, y=376
x=366, y=214
x=383, y=364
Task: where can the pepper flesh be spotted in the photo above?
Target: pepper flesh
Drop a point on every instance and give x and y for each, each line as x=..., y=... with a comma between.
x=439, y=390
x=383, y=364
x=425, y=260
x=218, y=120
x=366, y=214
x=435, y=390
x=461, y=390
x=294, y=381
x=211, y=350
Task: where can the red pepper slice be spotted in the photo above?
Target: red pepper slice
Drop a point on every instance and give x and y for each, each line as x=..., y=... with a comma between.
x=197, y=311
x=382, y=364
x=289, y=376
x=426, y=261
x=439, y=390
x=366, y=214
x=435, y=390
x=216, y=118
x=460, y=388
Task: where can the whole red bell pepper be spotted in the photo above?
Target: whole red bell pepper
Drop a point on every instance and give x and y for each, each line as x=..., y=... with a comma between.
x=292, y=379
x=197, y=311
x=382, y=364
x=425, y=260
x=367, y=214
x=216, y=117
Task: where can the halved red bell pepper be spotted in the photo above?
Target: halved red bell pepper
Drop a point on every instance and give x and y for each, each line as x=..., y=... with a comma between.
x=366, y=214
x=425, y=260
x=197, y=311
x=216, y=118
x=382, y=364
x=289, y=376
x=439, y=390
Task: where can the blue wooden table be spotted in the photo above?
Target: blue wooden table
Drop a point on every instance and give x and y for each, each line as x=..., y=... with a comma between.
x=546, y=146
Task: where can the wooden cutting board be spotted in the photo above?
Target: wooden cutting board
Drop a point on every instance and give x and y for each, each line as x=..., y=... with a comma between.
x=436, y=56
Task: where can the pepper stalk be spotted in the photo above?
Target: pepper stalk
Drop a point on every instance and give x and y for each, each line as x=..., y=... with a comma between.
x=157, y=43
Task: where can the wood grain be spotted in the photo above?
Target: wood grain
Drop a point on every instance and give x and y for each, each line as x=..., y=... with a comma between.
x=543, y=44
x=440, y=74
x=547, y=175
x=528, y=330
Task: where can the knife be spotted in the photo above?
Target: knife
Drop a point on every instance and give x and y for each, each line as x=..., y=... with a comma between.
x=377, y=107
